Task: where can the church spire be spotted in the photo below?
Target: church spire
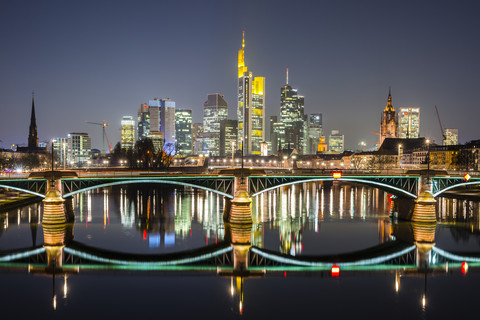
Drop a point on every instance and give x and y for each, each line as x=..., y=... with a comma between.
x=32, y=134
x=389, y=106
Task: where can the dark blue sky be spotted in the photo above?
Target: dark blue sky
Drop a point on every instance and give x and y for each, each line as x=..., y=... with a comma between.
x=98, y=60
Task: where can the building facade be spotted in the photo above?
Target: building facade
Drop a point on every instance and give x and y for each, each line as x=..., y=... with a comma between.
x=79, y=149
x=197, y=138
x=143, y=122
x=450, y=137
x=250, y=107
x=128, y=132
x=228, y=137
x=183, y=131
x=162, y=119
x=408, y=123
x=315, y=132
x=336, y=142
x=215, y=110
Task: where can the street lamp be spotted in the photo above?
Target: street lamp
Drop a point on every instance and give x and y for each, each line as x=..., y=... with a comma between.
x=233, y=153
x=428, y=160
x=399, y=156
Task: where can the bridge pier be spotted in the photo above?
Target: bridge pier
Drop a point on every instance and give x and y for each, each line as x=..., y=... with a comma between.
x=424, y=210
x=239, y=210
x=53, y=208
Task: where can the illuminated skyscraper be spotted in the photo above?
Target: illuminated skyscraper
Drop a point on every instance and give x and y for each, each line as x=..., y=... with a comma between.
x=409, y=123
x=197, y=138
x=228, y=135
x=215, y=110
x=143, y=122
x=251, y=107
x=315, y=131
x=450, y=137
x=388, y=125
x=292, y=116
x=183, y=131
x=336, y=142
x=128, y=132
x=162, y=119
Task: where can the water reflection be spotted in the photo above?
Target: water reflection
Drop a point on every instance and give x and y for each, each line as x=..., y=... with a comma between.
x=166, y=229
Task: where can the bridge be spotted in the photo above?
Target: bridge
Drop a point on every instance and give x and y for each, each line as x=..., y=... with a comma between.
x=403, y=186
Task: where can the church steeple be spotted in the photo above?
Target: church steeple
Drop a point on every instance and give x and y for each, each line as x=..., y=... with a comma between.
x=32, y=134
x=389, y=106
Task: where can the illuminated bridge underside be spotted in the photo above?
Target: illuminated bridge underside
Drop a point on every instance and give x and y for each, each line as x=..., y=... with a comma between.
x=219, y=185
x=442, y=184
x=37, y=187
x=397, y=185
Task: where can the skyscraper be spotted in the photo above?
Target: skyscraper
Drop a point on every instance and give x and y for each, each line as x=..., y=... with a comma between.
x=292, y=116
x=143, y=122
x=162, y=119
x=197, y=138
x=409, y=123
x=251, y=107
x=388, y=125
x=183, y=131
x=315, y=131
x=128, y=132
x=336, y=142
x=228, y=136
x=32, y=132
x=215, y=110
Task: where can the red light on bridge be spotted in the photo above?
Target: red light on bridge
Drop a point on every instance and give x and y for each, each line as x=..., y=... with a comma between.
x=144, y=234
x=464, y=267
x=335, y=271
x=466, y=177
x=337, y=175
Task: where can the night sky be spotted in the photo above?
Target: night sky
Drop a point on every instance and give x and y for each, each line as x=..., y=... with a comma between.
x=99, y=60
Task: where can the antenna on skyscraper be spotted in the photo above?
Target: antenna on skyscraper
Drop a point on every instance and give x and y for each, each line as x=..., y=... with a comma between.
x=287, y=75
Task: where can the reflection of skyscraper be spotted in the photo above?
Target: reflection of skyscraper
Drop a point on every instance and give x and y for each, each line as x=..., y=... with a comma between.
x=292, y=116
x=128, y=132
x=388, y=125
x=215, y=109
x=251, y=107
x=409, y=123
x=183, y=131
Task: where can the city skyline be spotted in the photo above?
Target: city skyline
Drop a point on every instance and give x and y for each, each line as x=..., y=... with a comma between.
x=103, y=69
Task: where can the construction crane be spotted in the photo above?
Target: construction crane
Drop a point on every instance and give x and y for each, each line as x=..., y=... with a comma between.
x=444, y=136
x=104, y=125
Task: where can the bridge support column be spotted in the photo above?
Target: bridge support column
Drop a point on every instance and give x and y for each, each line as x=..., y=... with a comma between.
x=424, y=236
x=424, y=210
x=53, y=208
x=239, y=210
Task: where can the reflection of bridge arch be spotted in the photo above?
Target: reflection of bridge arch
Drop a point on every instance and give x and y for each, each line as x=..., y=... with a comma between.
x=399, y=186
x=220, y=186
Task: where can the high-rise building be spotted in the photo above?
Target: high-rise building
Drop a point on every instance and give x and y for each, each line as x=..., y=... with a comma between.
x=409, y=123
x=143, y=122
x=158, y=140
x=197, y=138
x=250, y=108
x=60, y=146
x=450, y=137
x=336, y=142
x=128, y=132
x=79, y=148
x=278, y=136
x=183, y=131
x=388, y=125
x=215, y=110
x=315, y=131
x=228, y=137
x=162, y=119
x=292, y=116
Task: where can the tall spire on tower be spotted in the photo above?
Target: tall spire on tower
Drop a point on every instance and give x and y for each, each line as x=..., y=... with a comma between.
x=389, y=106
x=241, y=58
x=32, y=134
x=287, y=75
x=243, y=39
